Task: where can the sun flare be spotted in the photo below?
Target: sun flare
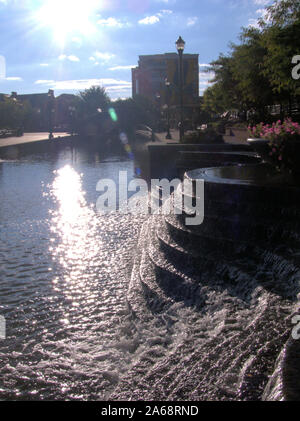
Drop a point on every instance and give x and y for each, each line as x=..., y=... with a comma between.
x=68, y=17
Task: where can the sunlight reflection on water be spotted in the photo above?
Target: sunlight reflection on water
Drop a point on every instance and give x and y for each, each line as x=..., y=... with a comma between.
x=64, y=272
x=75, y=223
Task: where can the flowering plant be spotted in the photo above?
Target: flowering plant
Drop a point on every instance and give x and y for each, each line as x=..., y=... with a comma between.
x=281, y=136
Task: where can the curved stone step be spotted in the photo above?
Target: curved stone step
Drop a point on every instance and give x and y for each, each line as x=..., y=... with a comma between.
x=224, y=231
x=291, y=214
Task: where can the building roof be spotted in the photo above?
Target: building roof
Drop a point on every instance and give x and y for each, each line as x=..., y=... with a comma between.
x=167, y=56
x=35, y=99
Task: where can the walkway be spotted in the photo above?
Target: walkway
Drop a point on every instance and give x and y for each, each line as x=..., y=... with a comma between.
x=29, y=137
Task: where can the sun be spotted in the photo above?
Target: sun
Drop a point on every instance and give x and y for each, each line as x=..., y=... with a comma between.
x=68, y=17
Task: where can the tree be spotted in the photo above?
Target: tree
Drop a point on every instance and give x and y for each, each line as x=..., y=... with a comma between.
x=257, y=72
x=136, y=111
x=281, y=34
x=93, y=99
x=14, y=114
x=92, y=105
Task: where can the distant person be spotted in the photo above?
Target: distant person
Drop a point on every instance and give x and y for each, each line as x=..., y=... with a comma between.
x=152, y=136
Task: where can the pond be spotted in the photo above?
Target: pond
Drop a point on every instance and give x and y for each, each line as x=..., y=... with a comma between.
x=64, y=271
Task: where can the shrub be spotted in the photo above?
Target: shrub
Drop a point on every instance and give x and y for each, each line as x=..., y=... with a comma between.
x=207, y=136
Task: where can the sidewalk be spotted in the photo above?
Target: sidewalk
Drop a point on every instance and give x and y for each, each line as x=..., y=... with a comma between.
x=162, y=137
x=29, y=137
x=233, y=140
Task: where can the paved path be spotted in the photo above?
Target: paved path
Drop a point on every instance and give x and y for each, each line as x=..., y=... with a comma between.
x=174, y=134
x=29, y=137
x=175, y=138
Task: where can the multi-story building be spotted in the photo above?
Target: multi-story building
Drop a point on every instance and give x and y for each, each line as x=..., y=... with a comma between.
x=149, y=78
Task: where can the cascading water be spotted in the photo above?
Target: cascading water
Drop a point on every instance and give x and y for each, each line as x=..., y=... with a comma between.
x=199, y=316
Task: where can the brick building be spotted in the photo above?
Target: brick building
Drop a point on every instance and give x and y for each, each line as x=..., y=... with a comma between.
x=148, y=79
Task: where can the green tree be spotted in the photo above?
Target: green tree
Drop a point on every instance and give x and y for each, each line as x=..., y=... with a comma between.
x=257, y=72
x=93, y=99
x=281, y=34
x=14, y=114
x=90, y=109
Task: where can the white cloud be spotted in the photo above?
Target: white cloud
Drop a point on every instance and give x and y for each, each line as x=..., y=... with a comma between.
x=192, y=21
x=163, y=12
x=262, y=14
x=14, y=79
x=103, y=56
x=113, y=23
x=205, y=80
x=262, y=2
x=253, y=23
x=122, y=67
x=43, y=82
x=111, y=85
x=149, y=20
x=73, y=58
x=44, y=64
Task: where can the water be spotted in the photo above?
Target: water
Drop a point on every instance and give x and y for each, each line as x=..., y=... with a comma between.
x=64, y=271
x=112, y=307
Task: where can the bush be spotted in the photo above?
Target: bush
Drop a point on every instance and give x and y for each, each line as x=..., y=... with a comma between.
x=207, y=136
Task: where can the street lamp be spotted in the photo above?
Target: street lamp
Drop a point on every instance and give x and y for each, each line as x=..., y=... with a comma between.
x=72, y=111
x=167, y=83
x=51, y=112
x=180, y=44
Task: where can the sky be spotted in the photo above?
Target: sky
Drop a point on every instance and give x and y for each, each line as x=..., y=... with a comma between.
x=71, y=45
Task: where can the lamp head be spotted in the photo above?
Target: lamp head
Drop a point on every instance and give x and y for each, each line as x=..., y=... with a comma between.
x=180, y=44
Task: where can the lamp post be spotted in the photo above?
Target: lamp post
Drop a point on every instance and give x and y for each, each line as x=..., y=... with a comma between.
x=180, y=44
x=167, y=83
x=51, y=112
x=72, y=111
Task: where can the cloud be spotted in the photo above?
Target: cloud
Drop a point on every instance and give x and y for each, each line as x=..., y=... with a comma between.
x=113, y=23
x=111, y=85
x=44, y=82
x=103, y=57
x=205, y=80
x=262, y=14
x=13, y=79
x=149, y=20
x=192, y=21
x=73, y=58
x=122, y=67
x=44, y=64
x=262, y=2
x=206, y=76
